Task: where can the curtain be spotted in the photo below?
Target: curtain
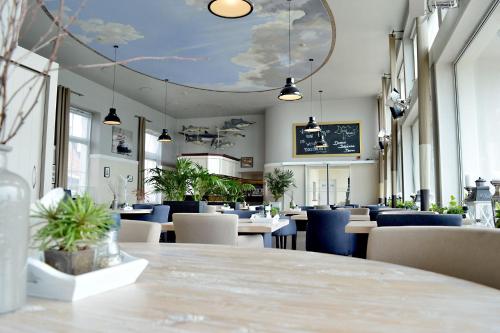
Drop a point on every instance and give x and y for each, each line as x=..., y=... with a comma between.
x=141, y=156
x=61, y=138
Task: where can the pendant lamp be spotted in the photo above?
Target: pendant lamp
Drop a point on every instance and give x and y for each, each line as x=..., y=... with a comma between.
x=290, y=92
x=231, y=9
x=321, y=143
x=312, y=126
x=112, y=118
x=165, y=137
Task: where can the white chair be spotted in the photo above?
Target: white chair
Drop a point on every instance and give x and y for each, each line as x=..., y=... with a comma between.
x=467, y=253
x=206, y=228
x=133, y=231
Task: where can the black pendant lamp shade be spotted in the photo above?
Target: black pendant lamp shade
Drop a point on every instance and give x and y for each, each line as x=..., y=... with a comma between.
x=164, y=136
x=312, y=126
x=112, y=118
x=321, y=143
x=231, y=9
x=290, y=92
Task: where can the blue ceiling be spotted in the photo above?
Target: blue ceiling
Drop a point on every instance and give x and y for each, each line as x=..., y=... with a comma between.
x=198, y=49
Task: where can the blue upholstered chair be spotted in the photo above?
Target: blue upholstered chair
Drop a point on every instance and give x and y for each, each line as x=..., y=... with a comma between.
x=242, y=214
x=398, y=220
x=326, y=232
x=142, y=206
x=159, y=214
x=306, y=207
x=281, y=235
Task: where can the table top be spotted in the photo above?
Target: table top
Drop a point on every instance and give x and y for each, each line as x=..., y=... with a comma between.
x=360, y=227
x=303, y=217
x=206, y=288
x=136, y=211
x=244, y=226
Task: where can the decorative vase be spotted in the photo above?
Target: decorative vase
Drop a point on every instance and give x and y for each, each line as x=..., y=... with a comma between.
x=14, y=235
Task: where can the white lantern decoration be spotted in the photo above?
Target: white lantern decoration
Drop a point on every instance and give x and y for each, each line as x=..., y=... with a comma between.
x=478, y=204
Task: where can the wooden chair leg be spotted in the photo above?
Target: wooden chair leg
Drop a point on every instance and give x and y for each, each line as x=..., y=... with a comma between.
x=277, y=239
x=294, y=242
x=286, y=237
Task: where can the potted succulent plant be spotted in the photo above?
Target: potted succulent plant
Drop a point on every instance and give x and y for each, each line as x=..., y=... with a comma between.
x=69, y=232
x=279, y=182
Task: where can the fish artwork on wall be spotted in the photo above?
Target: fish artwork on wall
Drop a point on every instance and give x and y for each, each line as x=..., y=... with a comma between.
x=200, y=134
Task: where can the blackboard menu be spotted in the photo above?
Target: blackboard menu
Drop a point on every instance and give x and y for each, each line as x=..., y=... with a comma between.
x=344, y=139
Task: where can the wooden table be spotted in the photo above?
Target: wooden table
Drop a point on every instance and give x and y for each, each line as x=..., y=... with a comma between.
x=245, y=226
x=360, y=227
x=135, y=211
x=303, y=217
x=193, y=288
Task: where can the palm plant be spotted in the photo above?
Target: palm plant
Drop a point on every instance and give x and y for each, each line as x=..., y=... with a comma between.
x=174, y=184
x=279, y=182
x=204, y=183
x=235, y=191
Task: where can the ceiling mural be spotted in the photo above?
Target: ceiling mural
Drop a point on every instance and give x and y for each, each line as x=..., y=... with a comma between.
x=197, y=49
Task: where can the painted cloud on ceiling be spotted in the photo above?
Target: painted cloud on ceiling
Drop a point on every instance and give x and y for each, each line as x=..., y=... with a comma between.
x=247, y=54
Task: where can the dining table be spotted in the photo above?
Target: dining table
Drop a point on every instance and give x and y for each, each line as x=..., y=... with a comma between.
x=135, y=211
x=245, y=227
x=210, y=288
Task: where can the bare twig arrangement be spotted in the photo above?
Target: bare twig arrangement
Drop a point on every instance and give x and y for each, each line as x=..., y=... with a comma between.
x=17, y=16
x=14, y=15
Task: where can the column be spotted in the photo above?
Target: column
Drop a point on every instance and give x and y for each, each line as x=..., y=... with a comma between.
x=424, y=111
x=381, y=195
x=394, y=122
x=386, y=145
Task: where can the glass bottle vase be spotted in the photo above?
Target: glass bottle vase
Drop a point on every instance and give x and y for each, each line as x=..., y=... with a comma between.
x=14, y=235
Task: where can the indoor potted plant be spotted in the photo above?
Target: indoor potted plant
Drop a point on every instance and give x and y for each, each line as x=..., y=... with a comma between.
x=279, y=182
x=174, y=185
x=69, y=232
x=234, y=191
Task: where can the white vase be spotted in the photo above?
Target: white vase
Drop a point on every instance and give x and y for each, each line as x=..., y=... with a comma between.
x=14, y=231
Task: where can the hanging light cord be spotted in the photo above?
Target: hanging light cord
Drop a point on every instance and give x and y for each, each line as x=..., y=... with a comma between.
x=165, y=106
x=311, y=61
x=289, y=38
x=114, y=76
x=321, y=104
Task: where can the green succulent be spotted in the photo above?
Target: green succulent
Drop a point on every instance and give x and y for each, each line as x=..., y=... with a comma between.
x=72, y=225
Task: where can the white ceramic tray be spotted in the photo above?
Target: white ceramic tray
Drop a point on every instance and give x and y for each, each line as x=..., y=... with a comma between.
x=46, y=282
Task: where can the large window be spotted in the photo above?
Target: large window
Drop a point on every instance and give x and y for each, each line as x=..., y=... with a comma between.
x=78, y=150
x=478, y=84
x=153, y=160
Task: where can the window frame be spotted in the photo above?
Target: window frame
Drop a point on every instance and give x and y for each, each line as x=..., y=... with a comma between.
x=78, y=140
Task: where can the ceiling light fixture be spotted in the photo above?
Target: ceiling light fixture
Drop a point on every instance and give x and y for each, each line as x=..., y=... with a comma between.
x=321, y=143
x=112, y=118
x=231, y=9
x=312, y=126
x=165, y=137
x=290, y=92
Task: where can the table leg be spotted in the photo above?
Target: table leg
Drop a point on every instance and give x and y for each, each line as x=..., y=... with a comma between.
x=360, y=245
x=268, y=239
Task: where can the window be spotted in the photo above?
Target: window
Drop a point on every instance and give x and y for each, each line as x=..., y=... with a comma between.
x=153, y=160
x=415, y=57
x=78, y=150
x=478, y=85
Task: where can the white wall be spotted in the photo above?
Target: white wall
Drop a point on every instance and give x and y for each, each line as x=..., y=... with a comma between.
x=280, y=120
x=253, y=144
x=97, y=99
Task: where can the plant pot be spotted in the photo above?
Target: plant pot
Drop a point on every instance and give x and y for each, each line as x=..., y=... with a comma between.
x=74, y=263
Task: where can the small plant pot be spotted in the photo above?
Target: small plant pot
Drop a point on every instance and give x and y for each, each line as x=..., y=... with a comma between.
x=73, y=263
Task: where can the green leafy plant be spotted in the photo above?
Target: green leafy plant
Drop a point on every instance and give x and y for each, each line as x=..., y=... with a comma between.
x=204, y=183
x=497, y=209
x=275, y=211
x=174, y=184
x=454, y=207
x=72, y=225
x=279, y=182
x=234, y=191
